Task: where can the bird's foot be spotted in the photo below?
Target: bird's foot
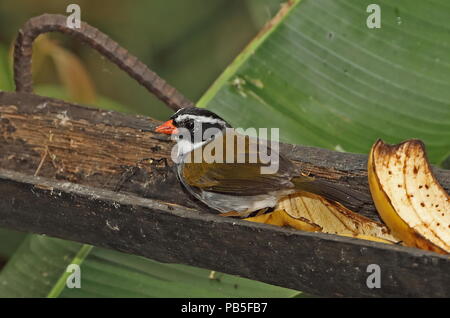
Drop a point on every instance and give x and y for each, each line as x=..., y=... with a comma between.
x=234, y=213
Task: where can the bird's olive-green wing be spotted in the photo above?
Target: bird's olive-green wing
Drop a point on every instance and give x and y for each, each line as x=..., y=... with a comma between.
x=245, y=178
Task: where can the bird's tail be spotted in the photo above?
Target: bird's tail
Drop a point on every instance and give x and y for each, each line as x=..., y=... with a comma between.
x=351, y=198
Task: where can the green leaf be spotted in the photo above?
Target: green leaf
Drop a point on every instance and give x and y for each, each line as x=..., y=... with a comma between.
x=325, y=79
x=36, y=266
x=79, y=258
x=9, y=242
x=6, y=80
x=37, y=269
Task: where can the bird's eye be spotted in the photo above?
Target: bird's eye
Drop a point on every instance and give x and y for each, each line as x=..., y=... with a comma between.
x=190, y=125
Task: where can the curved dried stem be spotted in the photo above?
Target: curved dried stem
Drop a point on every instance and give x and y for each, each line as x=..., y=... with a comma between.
x=97, y=40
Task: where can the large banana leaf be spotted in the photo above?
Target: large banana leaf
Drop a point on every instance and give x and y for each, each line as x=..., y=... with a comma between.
x=325, y=79
x=38, y=269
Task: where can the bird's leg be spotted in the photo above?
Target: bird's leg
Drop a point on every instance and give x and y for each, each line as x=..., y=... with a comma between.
x=234, y=213
x=243, y=214
x=262, y=211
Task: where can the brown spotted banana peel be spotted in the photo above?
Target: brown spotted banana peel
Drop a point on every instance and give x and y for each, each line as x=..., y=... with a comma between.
x=408, y=197
x=312, y=213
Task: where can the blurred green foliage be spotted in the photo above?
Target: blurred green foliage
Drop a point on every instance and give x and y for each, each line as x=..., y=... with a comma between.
x=37, y=270
x=188, y=43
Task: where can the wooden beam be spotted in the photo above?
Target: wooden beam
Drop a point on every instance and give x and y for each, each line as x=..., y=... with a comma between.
x=106, y=179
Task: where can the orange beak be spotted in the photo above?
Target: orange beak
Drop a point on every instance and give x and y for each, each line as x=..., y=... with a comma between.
x=167, y=128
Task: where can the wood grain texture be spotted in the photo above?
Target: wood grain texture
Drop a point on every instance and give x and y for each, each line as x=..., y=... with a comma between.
x=106, y=179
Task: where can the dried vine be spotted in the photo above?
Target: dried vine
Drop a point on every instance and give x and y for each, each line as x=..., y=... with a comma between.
x=97, y=40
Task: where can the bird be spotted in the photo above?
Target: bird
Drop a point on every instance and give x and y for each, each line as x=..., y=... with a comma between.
x=236, y=187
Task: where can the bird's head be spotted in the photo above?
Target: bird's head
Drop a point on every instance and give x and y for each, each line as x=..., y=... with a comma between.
x=192, y=127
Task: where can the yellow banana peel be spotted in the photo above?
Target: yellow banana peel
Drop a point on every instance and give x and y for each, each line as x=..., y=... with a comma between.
x=281, y=218
x=309, y=212
x=408, y=197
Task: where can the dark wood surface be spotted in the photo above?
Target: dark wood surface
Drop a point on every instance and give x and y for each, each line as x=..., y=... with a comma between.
x=106, y=179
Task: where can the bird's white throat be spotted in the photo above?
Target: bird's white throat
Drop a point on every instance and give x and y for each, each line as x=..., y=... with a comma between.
x=185, y=146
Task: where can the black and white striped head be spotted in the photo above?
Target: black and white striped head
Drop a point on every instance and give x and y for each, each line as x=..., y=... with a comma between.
x=194, y=118
x=192, y=126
